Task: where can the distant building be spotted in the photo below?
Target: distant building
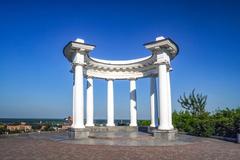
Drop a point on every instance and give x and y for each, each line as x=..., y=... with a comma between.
x=21, y=127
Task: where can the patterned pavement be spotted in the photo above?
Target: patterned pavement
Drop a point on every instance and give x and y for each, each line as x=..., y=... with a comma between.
x=50, y=146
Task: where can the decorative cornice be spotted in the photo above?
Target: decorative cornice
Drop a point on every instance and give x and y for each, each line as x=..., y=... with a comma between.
x=163, y=51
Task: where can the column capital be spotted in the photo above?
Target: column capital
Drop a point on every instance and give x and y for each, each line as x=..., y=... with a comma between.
x=78, y=59
x=77, y=46
x=78, y=64
x=89, y=77
x=162, y=58
x=162, y=44
x=132, y=79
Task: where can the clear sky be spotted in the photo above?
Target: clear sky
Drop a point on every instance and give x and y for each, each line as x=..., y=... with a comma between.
x=35, y=81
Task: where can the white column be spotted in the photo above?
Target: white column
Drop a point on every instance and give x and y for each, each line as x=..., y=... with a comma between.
x=163, y=97
x=153, y=102
x=110, y=104
x=78, y=103
x=133, y=103
x=90, y=102
x=169, y=99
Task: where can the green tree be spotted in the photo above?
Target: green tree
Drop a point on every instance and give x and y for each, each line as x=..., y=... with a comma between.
x=194, y=103
x=194, y=120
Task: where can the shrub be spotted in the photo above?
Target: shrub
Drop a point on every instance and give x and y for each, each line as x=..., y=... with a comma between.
x=144, y=122
x=227, y=122
x=181, y=121
x=201, y=125
x=198, y=125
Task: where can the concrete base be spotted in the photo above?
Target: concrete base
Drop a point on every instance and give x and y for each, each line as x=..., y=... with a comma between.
x=78, y=133
x=112, y=129
x=168, y=135
x=146, y=129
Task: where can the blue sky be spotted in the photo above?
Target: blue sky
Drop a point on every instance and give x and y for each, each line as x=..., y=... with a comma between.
x=34, y=75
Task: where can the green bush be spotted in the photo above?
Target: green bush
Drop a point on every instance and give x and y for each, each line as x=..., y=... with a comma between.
x=144, y=122
x=198, y=125
x=227, y=122
x=182, y=120
x=201, y=125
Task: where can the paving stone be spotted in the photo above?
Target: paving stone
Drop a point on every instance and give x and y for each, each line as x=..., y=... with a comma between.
x=49, y=146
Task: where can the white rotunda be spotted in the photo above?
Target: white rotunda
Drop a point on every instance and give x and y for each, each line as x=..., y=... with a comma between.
x=157, y=65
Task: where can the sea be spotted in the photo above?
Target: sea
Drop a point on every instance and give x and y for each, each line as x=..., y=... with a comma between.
x=54, y=121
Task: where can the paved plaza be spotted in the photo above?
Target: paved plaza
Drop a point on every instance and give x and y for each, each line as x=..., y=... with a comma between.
x=112, y=146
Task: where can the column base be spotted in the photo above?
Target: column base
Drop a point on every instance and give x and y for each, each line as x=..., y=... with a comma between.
x=89, y=125
x=153, y=125
x=78, y=126
x=78, y=133
x=132, y=125
x=168, y=135
x=171, y=127
x=165, y=127
x=110, y=125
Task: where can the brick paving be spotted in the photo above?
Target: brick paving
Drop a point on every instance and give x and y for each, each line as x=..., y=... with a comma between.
x=27, y=148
